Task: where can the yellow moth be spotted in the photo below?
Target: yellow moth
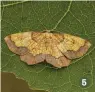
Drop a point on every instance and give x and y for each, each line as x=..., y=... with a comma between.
x=55, y=48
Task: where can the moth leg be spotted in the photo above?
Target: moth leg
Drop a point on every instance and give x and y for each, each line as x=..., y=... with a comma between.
x=57, y=62
x=30, y=59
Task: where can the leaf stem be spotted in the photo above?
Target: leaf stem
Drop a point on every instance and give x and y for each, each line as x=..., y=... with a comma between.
x=63, y=16
x=6, y=5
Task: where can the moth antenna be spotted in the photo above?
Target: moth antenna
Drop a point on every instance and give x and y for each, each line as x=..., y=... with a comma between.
x=47, y=31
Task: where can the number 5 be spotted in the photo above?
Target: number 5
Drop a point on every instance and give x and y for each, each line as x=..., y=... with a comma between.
x=84, y=82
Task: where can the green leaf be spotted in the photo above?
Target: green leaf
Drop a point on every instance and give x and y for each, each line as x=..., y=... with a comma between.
x=76, y=18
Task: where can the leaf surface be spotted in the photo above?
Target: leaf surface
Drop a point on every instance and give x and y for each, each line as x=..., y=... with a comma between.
x=76, y=18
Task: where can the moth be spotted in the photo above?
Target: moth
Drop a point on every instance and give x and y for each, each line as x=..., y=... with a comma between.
x=57, y=49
